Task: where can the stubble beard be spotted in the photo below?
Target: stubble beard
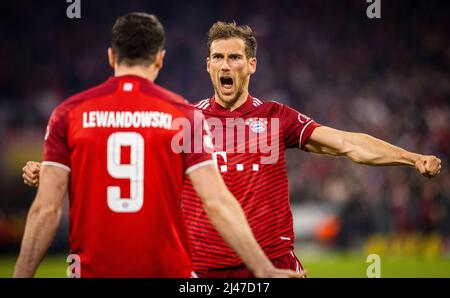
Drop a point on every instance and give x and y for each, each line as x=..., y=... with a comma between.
x=230, y=103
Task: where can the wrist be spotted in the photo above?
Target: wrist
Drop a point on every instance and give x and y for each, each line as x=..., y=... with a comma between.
x=263, y=271
x=410, y=158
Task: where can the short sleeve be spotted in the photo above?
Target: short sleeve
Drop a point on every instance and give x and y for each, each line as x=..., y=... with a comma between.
x=199, y=144
x=297, y=127
x=56, y=149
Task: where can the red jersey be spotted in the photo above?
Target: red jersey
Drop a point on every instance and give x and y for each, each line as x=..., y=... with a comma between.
x=254, y=170
x=125, y=178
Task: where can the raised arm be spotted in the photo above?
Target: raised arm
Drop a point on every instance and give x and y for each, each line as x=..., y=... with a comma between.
x=365, y=149
x=43, y=220
x=228, y=218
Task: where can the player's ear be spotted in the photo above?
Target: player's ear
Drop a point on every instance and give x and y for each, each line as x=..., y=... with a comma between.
x=111, y=57
x=252, y=65
x=159, y=60
x=208, y=64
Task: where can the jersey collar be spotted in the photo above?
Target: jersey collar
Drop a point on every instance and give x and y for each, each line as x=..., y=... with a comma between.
x=245, y=107
x=135, y=78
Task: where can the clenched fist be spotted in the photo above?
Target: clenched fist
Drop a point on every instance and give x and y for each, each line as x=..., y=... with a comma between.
x=31, y=173
x=428, y=165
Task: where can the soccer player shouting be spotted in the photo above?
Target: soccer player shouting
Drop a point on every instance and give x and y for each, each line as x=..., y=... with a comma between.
x=253, y=167
x=111, y=148
x=259, y=180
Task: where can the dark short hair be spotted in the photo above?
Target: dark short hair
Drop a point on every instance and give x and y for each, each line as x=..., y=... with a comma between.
x=136, y=38
x=222, y=30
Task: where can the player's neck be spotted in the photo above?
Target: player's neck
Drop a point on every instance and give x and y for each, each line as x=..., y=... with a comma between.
x=149, y=73
x=231, y=106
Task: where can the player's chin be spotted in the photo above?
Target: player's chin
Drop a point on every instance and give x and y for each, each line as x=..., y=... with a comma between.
x=224, y=92
x=227, y=92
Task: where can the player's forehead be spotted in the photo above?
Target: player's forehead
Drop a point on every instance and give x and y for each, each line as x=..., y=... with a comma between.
x=233, y=45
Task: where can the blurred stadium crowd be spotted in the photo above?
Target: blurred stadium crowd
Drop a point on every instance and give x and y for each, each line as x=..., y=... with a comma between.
x=389, y=78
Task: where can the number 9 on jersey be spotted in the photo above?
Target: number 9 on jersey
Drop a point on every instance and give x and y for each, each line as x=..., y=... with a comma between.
x=133, y=171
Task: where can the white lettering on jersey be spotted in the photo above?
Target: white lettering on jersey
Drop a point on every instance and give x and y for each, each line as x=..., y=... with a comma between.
x=121, y=119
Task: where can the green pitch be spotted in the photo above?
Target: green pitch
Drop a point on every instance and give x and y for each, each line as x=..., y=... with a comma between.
x=318, y=265
x=355, y=265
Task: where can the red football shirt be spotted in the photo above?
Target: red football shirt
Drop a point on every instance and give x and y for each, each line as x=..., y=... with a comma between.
x=253, y=166
x=125, y=179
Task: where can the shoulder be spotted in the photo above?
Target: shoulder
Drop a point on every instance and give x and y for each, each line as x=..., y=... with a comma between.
x=202, y=104
x=164, y=94
x=258, y=102
x=170, y=99
x=270, y=106
x=267, y=103
x=282, y=110
x=280, y=107
x=73, y=101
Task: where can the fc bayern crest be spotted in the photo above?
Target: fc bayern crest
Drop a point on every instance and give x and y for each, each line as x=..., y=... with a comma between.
x=257, y=125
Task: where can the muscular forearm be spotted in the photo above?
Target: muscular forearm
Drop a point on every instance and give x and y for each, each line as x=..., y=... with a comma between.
x=40, y=230
x=228, y=218
x=365, y=149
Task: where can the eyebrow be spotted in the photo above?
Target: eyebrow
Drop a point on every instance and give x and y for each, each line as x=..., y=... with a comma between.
x=221, y=54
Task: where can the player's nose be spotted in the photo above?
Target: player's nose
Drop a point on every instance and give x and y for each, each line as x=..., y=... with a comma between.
x=225, y=65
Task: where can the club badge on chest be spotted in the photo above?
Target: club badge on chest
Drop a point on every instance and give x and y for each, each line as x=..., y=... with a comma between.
x=257, y=125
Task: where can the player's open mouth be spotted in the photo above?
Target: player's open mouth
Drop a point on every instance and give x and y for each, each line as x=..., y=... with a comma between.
x=226, y=82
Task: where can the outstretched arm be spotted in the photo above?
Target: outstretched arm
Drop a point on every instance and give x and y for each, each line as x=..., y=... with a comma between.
x=228, y=218
x=365, y=149
x=43, y=220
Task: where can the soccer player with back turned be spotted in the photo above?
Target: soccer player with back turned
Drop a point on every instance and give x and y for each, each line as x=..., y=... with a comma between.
x=110, y=147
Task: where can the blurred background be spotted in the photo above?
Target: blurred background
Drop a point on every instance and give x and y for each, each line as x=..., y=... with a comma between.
x=387, y=77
